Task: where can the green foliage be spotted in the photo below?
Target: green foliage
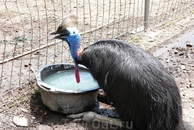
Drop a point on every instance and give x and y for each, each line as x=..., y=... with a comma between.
x=192, y=11
x=135, y=39
x=169, y=23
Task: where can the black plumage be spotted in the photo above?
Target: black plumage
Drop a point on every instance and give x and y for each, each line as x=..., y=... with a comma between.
x=143, y=92
x=141, y=89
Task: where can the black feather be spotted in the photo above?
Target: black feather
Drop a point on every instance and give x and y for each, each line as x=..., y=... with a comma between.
x=141, y=89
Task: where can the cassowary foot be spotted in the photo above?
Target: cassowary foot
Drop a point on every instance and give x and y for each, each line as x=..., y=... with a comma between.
x=91, y=116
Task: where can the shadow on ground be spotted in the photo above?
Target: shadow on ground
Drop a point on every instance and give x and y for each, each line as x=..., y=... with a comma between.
x=44, y=118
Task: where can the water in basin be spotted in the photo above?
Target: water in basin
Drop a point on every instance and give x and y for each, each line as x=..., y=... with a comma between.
x=66, y=80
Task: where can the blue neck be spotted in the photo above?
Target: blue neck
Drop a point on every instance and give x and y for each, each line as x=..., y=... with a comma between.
x=73, y=40
x=74, y=45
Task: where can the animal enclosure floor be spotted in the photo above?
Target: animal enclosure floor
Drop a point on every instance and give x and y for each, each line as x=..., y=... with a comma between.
x=171, y=51
x=178, y=58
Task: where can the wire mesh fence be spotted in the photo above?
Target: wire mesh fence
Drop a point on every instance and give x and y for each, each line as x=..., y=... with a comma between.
x=25, y=27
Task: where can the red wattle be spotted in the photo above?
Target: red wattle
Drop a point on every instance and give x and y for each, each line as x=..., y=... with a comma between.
x=77, y=76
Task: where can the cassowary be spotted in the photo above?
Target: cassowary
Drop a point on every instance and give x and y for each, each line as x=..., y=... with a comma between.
x=138, y=85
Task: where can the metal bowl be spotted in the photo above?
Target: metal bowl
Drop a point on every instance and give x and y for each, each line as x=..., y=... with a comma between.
x=64, y=101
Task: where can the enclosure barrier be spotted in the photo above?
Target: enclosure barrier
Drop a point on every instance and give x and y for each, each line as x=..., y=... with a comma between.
x=25, y=43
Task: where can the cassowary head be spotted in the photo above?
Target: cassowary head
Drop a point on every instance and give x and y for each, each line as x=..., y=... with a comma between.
x=68, y=32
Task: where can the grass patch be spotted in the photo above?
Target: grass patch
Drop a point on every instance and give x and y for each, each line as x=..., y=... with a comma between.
x=169, y=23
x=192, y=11
x=135, y=39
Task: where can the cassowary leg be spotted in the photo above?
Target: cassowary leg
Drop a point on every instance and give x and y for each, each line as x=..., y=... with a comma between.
x=91, y=116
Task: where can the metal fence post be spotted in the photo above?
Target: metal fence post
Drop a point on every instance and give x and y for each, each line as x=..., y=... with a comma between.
x=146, y=14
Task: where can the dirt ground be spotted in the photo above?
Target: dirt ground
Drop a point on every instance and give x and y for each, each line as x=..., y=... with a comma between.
x=172, y=44
x=178, y=58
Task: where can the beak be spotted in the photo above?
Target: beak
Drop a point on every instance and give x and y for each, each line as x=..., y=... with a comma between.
x=60, y=36
x=63, y=33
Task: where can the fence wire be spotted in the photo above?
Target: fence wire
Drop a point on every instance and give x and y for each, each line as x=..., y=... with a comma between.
x=25, y=27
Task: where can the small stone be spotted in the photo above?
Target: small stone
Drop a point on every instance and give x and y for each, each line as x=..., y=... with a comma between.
x=51, y=60
x=189, y=44
x=167, y=60
x=44, y=127
x=175, y=52
x=25, y=65
x=182, y=53
x=24, y=110
x=20, y=121
x=183, y=67
x=150, y=40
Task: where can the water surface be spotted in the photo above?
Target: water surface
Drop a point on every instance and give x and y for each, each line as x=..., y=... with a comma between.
x=66, y=80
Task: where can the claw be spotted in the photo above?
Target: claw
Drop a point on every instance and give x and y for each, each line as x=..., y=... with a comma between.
x=74, y=116
x=85, y=116
x=91, y=116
